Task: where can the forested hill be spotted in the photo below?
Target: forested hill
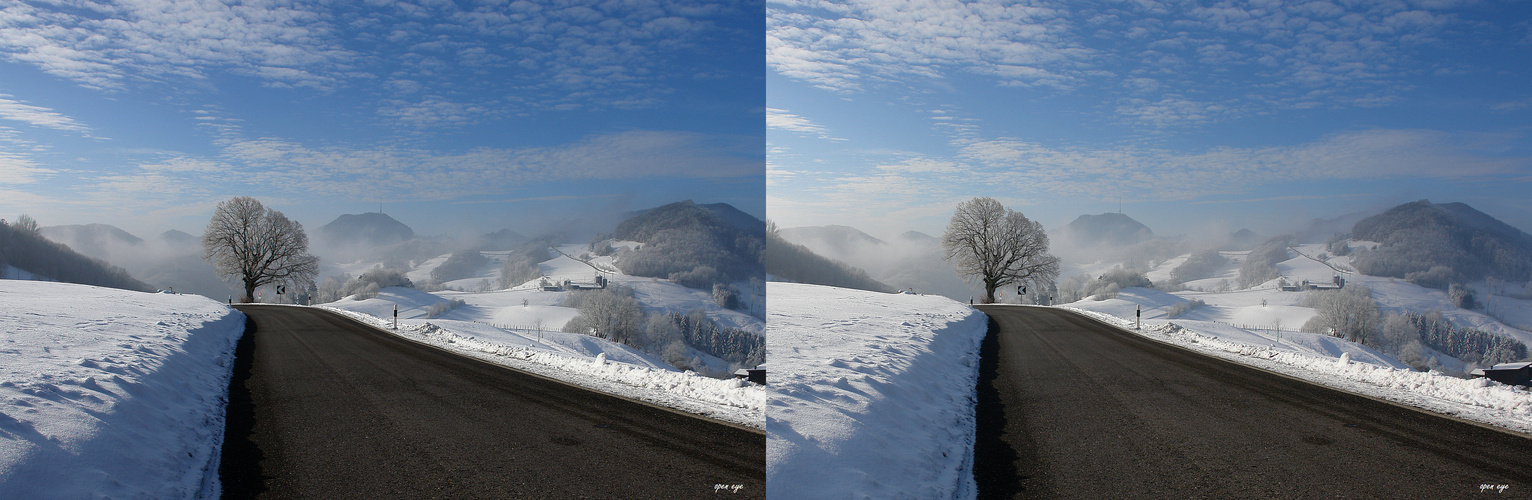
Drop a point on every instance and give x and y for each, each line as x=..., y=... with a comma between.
x=790, y=261
x=29, y=251
x=1417, y=237
x=693, y=245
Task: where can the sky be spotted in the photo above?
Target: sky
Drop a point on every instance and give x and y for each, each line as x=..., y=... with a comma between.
x=466, y=116
x=1191, y=117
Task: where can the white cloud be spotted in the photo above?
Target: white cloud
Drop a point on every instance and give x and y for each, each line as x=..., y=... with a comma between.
x=920, y=166
x=780, y=119
x=1169, y=64
x=545, y=55
x=17, y=169
x=434, y=111
x=418, y=174
x=38, y=116
x=842, y=45
x=103, y=45
x=1157, y=174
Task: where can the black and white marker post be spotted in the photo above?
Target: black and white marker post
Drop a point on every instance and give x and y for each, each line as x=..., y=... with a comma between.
x=1138, y=317
x=396, y=316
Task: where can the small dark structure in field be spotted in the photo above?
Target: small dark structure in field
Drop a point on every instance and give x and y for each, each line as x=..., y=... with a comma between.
x=1507, y=373
x=756, y=375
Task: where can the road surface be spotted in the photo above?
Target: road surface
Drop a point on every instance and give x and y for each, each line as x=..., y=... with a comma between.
x=324, y=407
x=1070, y=407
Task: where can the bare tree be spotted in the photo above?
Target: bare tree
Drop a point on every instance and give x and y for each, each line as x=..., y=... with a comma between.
x=25, y=223
x=254, y=245
x=994, y=247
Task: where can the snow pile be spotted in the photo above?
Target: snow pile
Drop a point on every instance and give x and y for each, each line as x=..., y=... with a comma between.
x=110, y=393
x=1480, y=400
x=596, y=364
x=873, y=394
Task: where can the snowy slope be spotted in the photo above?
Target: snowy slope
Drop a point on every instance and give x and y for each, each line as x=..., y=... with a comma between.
x=107, y=393
x=872, y=394
x=588, y=362
x=1327, y=361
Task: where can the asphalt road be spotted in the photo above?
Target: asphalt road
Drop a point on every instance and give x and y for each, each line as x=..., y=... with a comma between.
x=1070, y=407
x=323, y=407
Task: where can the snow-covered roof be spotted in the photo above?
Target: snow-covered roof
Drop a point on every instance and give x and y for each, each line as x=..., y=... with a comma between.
x=1511, y=366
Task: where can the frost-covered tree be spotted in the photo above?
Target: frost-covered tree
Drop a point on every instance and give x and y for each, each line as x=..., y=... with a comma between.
x=1461, y=296
x=611, y=313
x=1349, y=313
x=252, y=245
x=25, y=223
x=994, y=246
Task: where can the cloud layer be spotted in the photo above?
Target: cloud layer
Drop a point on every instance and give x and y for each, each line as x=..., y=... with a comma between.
x=545, y=55
x=1155, y=64
x=293, y=169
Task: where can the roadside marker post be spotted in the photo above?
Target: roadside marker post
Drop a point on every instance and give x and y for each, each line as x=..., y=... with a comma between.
x=396, y=316
x=1138, y=317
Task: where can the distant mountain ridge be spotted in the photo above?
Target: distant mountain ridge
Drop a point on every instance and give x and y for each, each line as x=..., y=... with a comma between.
x=36, y=254
x=1108, y=229
x=835, y=242
x=373, y=229
x=790, y=261
x=94, y=240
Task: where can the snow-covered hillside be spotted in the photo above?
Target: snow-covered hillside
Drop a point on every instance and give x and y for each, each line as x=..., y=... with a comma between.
x=107, y=393
x=872, y=394
x=1257, y=314
x=521, y=326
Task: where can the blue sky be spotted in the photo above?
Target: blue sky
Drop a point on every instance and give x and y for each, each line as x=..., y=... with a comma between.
x=456, y=116
x=1193, y=116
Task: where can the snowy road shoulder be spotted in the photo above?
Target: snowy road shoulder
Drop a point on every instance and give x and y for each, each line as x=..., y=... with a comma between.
x=731, y=400
x=108, y=394
x=872, y=393
x=1478, y=400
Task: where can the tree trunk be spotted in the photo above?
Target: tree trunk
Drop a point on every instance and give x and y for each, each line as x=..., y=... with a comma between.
x=989, y=293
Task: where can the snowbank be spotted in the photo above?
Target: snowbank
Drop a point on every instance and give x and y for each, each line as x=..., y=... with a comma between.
x=111, y=393
x=873, y=394
x=587, y=362
x=1479, y=400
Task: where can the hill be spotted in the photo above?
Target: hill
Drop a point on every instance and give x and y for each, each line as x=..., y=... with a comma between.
x=371, y=229
x=837, y=242
x=1108, y=230
x=179, y=238
x=912, y=260
x=789, y=261
x=504, y=239
x=102, y=241
x=692, y=245
x=1419, y=236
x=1243, y=239
x=737, y=218
x=35, y=254
x=917, y=237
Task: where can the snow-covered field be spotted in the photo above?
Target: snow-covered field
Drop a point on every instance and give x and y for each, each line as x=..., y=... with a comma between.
x=109, y=394
x=1318, y=358
x=872, y=394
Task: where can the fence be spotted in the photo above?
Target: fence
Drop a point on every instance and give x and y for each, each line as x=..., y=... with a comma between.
x=517, y=328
